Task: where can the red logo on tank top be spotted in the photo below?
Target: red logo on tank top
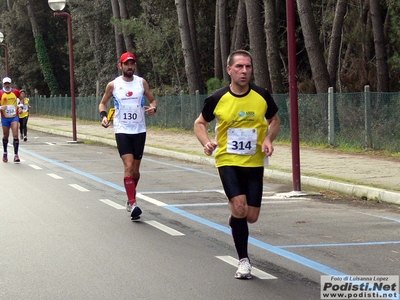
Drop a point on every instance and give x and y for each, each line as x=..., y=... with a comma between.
x=129, y=94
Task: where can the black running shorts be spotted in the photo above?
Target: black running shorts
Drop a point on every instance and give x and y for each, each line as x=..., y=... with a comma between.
x=243, y=181
x=131, y=144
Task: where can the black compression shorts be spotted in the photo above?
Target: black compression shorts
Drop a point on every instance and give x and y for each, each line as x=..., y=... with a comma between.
x=243, y=181
x=131, y=144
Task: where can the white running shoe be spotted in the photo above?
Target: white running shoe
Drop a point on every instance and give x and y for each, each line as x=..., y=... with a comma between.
x=244, y=270
x=128, y=206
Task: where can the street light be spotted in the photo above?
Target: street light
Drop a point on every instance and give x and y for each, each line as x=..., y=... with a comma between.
x=5, y=50
x=57, y=6
x=293, y=92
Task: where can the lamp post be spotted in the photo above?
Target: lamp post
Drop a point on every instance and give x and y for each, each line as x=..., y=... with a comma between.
x=5, y=50
x=57, y=6
x=293, y=92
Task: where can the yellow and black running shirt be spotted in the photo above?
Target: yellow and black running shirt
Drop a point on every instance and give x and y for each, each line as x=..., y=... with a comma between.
x=25, y=108
x=241, y=125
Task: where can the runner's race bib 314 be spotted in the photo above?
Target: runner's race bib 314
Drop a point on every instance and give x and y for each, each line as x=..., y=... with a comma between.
x=242, y=141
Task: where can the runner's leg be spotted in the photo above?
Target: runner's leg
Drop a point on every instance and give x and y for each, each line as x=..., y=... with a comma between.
x=6, y=133
x=14, y=128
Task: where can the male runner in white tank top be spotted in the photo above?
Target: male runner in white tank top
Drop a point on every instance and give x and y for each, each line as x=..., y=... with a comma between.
x=128, y=91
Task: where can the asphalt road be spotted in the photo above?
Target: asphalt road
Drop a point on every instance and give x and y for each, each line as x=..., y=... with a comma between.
x=65, y=234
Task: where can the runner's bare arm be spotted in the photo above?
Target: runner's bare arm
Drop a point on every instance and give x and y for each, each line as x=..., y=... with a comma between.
x=103, y=103
x=273, y=130
x=200, y=129
x=151, y=110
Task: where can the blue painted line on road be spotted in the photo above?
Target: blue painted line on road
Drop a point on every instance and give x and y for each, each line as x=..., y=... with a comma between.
x=341, y=245
x=277, y=250
x=198, y=219
x=54, y=162
x=380, y=217
x=186, y=168
x=181, y=167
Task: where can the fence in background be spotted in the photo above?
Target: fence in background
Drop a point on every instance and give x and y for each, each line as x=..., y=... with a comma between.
x=358, y=120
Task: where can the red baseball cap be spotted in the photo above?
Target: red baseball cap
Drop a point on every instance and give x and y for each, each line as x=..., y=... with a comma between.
x=127, y=56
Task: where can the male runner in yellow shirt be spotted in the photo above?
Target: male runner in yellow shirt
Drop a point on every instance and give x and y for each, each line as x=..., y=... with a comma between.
x=247, y=124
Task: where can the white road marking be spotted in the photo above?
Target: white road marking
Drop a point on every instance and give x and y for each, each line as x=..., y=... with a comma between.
x=267, y=202
x=164, y=228
x=150, y=200
x=48, y=143
x=184, y=191
x=112, y=203
x=284, y=197
x=279, y=200
x=35, y=167
x=199, y=204
x=254, y=271
x=54, y=176
x=79, y=188
x=155, y=224
x=276, y=200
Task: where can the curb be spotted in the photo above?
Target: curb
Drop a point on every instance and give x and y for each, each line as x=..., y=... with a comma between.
x=361, y=191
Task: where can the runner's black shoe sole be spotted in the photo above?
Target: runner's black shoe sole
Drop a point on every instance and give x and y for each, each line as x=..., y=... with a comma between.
x=136, y=212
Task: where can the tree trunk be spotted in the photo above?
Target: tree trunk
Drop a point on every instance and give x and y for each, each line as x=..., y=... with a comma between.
x=119, y=43
x=382, y=69
x=196, y=52
x=223, y=35
x=187, y=47
x=257, y=43
x=218, y=65
x=335, y=41
x=41, y=52
x=318, y=66
x=367, y=47
x=125, y=16
x=240, y=28
x=271, y=33
x=334, y=53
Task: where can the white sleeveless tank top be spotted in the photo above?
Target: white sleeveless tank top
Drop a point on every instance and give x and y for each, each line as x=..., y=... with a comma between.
x=129, y=105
